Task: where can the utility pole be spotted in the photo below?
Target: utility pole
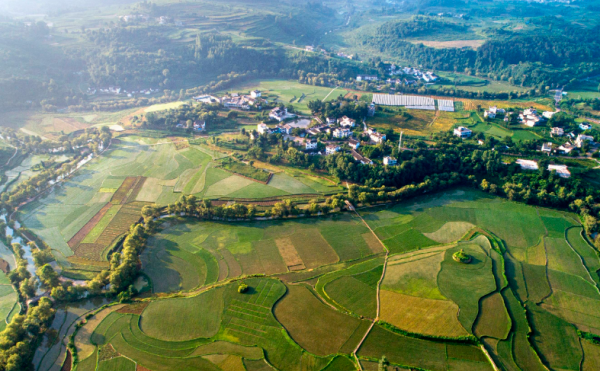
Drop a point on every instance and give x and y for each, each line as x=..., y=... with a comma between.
x=400, y=142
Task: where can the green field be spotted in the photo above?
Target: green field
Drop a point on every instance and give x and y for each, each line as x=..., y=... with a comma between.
x=524, y=292
x=186, y=254
x=58, y=216
x=246, y=170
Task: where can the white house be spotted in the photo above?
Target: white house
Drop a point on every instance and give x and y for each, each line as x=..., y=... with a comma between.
x=285, y=129
x=347, y=122
x=280, y=114
x=557, y=132
x=377, y=137
x=367, y=78
x=463, y=132
x=547, y=147
x=310, y=144
x=585, y=126
x=548, y=115
x=331, y=149
x=255, y=94
x=566, y=148
x=583, y=138
x=353, y=143
x=489, y=114
x=341, y=133
x=331, y=120
x=389, y=161
x=262, y=128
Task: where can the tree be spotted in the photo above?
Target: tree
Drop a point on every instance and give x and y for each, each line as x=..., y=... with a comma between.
x=48, y=276
x=242, y=288
x=383, y=363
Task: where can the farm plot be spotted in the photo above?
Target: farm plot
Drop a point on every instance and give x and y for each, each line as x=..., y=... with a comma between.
x=246, y=324
x=171, y=257
x=357, y=293
x=493, y=320
x=466, y=284
x=316, y=327
x=421, y=315
x=412, y=352
x=247, y=171
x=196, y=317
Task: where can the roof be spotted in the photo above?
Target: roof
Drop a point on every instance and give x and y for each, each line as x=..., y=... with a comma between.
x=528, y=164
x=358, y=157
x=561, y=170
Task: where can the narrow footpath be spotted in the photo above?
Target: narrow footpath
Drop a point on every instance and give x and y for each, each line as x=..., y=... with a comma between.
x=387, y=253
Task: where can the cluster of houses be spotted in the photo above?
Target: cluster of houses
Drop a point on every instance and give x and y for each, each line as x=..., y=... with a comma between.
x=344, y=55
x=529, y=117
x=234, y=100
x=312, y=49
x=567, y=147
x=196, y=125
x=427, y=76
x=116, y=90
x=340, y=129
x=130, y=18
x=575, y=140
x=415, y=75
x=243, y=102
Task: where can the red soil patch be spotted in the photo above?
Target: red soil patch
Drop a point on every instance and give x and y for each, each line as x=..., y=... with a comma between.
x=141, y=368
x=68, y=362
x=120, y=196
x=79, y=236
x=135, y=308
x=89, y=251
x=136, y=189
x=4, y=267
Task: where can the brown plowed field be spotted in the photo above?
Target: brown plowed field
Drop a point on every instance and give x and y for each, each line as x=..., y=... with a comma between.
x=79, y=236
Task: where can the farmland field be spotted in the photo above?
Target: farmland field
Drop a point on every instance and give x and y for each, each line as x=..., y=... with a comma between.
x=86, y=214
x=187, y=254
x=319, y=294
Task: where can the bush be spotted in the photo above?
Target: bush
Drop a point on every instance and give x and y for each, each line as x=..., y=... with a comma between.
x=462, y=257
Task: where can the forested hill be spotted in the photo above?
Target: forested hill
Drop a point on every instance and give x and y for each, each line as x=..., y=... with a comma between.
x=544, y=59
x=418, y=26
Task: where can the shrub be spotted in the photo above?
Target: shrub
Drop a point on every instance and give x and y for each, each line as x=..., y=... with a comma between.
x=462, y=257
